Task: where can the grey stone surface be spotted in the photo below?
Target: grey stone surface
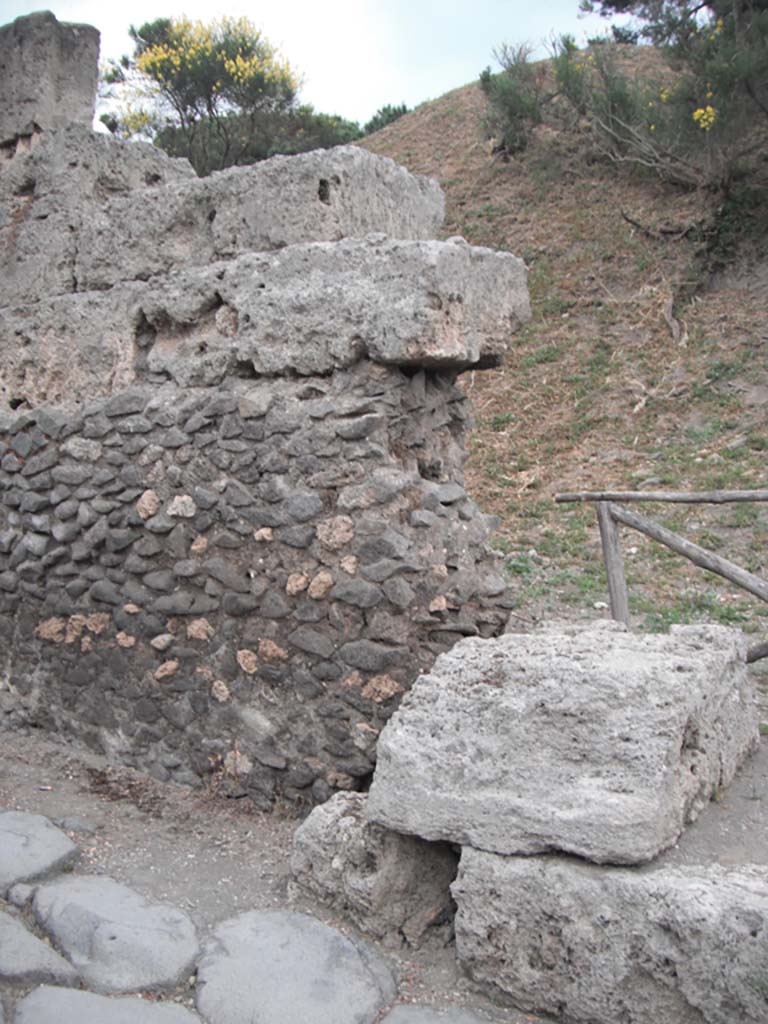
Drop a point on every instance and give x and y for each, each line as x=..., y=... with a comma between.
x=47, y=193
x=595, y=945
x=460, y=308
x=281, y=967
x=25, y=960
x=593, y=741
x=117, y=940
x=388, y=884
x=48, y=1005
x=413, y=1014
x=266, y=206
x=48, y=74
x=31, y=847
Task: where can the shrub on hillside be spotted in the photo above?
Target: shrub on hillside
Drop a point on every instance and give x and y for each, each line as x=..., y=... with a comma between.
x=384, y=116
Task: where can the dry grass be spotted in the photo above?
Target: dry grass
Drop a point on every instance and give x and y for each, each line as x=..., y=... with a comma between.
x=604, y=388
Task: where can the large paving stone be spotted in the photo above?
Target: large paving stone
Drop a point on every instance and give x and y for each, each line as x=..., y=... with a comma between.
x=25, y=960
x=59, y=1006
x=597, y=945
x=388, y=884
x=31, y=847
x=592, y=741
x=281, y=968
x=117, y=940
x=412, y=1014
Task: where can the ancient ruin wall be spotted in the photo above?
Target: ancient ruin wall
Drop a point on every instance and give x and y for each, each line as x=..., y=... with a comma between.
x=233, y=528
x=48, y=75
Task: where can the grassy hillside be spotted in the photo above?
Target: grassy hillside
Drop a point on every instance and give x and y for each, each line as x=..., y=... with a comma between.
x=606, y=387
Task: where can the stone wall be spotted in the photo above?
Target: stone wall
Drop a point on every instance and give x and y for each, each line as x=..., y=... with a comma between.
x=233, y=528
x=48, y=75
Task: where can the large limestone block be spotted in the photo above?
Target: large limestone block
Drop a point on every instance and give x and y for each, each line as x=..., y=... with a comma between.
x=48, y=192
x=388, y=884
x=48, y=74
x=599, y=742
x=668, y=945
x=318, y=307
x=308, y=309
x=325, y=195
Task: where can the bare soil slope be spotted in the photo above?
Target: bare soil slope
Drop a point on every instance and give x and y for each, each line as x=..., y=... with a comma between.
x=607, y=387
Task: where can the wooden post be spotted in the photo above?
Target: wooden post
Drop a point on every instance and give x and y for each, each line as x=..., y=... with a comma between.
x=614, y=564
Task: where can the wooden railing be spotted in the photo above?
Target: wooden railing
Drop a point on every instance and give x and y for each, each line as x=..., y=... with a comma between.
x=610, y=514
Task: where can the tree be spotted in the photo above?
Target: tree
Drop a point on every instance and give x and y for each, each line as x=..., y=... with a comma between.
x=218, y=94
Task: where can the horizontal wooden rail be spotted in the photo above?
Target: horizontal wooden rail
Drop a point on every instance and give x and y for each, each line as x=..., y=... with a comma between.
x=689, y=498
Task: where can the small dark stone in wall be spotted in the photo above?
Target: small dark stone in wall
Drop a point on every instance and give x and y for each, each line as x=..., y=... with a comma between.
x=239, y=604
x=184, y=602
x=312, y=642
x=96, y=427
x=72, y=473
x=105, y=592
x=39, y=463
x=34, y=502
x=357, y=592
x=228, y=575
x=204, y=498
x=162, y=580
x=297, y=536
x=370, y=656
x=160, y=523
x=8, y=581
x=10, y=464
x=304, y=505
x=125, y=402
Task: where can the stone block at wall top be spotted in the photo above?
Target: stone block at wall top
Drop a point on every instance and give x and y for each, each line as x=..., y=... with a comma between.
x=325, y=195
x=47, y=193
x=307, y=309
x=82, y=212
x=592, y=945
x=594, y=742
x=48, y=74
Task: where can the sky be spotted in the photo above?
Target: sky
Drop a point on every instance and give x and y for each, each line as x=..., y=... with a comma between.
x=355, y=56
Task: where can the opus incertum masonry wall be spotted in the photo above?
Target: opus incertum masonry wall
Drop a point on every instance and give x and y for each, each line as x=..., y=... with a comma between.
x=232, y=523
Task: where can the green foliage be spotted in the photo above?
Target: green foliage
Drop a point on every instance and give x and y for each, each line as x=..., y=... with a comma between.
x=218, y=94
x=384, y=116
x=516, y=99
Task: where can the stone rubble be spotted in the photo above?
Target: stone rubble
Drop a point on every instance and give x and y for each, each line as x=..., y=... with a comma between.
x=388, y=884
x=266, y=967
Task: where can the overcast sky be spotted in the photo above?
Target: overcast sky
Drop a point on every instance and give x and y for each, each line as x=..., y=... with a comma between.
x=355, y=56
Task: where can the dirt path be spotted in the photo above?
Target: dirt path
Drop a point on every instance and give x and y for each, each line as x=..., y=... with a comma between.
x=211, y=856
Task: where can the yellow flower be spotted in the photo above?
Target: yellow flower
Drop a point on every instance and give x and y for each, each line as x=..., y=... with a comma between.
x=705, y=117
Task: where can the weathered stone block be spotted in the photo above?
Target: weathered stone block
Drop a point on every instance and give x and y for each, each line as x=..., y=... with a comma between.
x=595, y=742
x=48, y=74
x=388, y=884
x=666, y=945
x=308, y=309
x=325, y=195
